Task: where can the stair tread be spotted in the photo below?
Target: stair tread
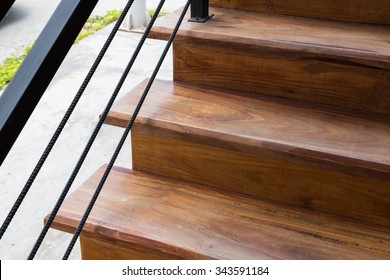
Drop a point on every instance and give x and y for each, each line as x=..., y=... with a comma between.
x=253, y=124
x=359, y=43
x=196, y=222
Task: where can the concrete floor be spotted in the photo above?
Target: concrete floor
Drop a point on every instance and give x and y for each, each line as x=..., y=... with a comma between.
x=21, y=26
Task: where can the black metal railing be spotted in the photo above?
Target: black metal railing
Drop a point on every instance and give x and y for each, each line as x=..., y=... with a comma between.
x=30, y=82
x=200, y=11
x=5, y=5
x=23, y=93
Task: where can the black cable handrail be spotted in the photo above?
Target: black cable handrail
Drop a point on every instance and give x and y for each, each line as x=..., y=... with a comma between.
x=93, y=136
x=124, y=135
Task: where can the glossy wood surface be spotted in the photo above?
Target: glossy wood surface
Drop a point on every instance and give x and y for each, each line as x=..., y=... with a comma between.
x=295, y=131
x=284, y=74
x=374, y=11
x=195, y=222
x=97, y=247
x=346, y=65
x=363, y=44
x=269, y=148
x=263, y=176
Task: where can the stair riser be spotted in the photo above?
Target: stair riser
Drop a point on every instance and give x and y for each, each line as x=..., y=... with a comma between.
x=93, y=248
x=375, y=11
x=143, y=216
x=294, y=75
x=282, y=180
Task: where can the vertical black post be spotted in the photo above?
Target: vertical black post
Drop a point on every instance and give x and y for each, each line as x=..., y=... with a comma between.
x=200, y=11
x=37, y=70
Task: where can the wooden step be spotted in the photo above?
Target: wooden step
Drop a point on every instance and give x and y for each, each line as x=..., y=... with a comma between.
x=270, y=148
x=333, y=63
x=373, y=11
x=143, y=216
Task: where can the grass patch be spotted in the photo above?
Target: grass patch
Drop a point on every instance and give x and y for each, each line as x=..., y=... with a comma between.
x=96, y=23
x=152, y=11
x=9, y=66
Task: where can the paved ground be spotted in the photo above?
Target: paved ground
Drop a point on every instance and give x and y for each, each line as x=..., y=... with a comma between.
x=27, y=18
x=21, y=26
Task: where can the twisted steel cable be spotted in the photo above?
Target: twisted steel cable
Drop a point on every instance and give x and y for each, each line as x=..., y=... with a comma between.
x=93, y=136
x=124, y=136
x=63, y=122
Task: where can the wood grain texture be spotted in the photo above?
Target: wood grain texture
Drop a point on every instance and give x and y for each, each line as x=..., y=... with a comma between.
x=375, y=11
x=349, y=42
x=263, y=175
x=95, y=247
x=293, y=131
x=302, y=156
x=284, y=74
x=195, y=222
x=330, y=63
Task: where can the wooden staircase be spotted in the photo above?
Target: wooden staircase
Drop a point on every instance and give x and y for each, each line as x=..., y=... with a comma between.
x=272, y=142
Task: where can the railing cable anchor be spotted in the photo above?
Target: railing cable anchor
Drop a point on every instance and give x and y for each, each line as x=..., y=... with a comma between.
x=200, y=11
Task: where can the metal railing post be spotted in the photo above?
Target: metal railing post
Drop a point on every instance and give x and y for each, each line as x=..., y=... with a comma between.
x=5, y=5
x=200, y=11
x=38, y=68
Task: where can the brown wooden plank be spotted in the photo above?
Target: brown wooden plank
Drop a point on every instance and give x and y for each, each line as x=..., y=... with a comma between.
x=299, y=155
x=336, y=64
x=248, y=123
x=284, y=74
x=192, y=221
x=358, y=43
x=95, y=247
x=375, y=11
x=265, y=176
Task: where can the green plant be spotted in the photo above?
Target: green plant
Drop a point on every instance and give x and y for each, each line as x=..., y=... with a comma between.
x=152, y=11
x=10, y=65
x=96, y=23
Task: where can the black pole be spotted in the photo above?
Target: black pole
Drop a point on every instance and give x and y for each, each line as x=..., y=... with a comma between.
x=23, y=93
x=5, y=5
x=200, y=11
